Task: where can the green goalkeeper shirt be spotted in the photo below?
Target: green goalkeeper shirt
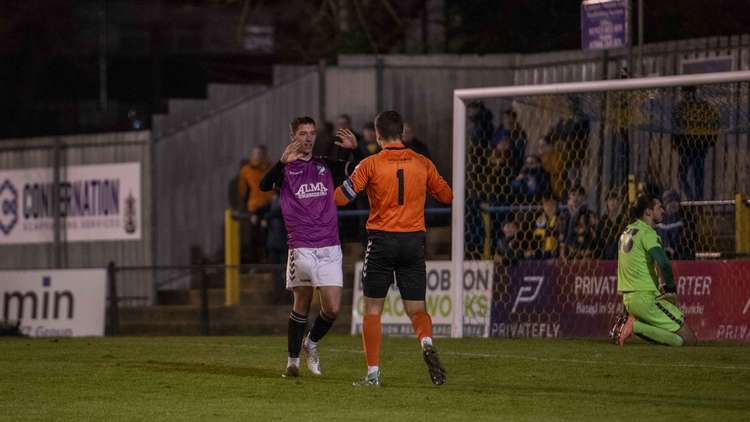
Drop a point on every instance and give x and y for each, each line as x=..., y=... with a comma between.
x=636, y=270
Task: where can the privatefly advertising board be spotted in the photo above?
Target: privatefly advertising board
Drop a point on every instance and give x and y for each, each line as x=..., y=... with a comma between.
x=477, y=283
x=96, y=202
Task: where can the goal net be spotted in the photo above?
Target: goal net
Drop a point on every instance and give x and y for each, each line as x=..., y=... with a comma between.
x=543, y=177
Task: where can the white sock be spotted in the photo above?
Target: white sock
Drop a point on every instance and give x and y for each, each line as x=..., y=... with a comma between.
x=426, y=341
x=310, y=344
x=371, y=369
x=292, y=361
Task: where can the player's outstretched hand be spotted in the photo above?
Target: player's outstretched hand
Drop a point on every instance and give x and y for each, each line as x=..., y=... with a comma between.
x=348, y=140
x=292, y=152
x=669, y=297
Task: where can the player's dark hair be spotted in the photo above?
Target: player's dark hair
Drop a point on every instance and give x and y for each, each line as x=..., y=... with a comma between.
x=389, y=125
x=642, y=203
x=512, y=113
x=302, y=120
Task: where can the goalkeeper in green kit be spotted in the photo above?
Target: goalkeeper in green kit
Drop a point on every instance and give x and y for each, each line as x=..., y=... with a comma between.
x=651, y=314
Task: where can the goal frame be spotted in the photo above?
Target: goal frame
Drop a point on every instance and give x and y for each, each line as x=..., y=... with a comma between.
x=460, y=99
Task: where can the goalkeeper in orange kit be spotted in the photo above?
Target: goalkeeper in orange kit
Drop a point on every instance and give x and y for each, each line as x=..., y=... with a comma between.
x=397, y=180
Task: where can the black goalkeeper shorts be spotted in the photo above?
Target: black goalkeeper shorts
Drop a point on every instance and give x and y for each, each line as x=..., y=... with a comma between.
x=399, y=254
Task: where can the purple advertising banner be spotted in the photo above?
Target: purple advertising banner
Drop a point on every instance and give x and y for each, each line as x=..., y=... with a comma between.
x=580, y=299
x=604, y=24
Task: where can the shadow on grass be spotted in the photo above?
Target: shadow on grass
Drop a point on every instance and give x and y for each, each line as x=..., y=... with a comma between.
x=618, y=396
x=204, y=369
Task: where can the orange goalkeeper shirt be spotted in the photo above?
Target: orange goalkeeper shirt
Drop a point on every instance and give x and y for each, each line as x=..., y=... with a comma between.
x=397, y=180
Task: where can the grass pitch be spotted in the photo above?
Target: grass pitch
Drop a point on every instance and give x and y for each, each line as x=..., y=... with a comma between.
x=238, y=378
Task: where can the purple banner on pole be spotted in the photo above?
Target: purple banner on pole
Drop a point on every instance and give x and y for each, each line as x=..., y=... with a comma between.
x=604, y=24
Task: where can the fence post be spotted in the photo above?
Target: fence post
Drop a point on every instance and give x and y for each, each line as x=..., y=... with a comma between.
x=742, y=223
x=231, y=259
x=204, y=302
x=322, y=90
x=114, y=310
x=379, y=69
x=632, y=189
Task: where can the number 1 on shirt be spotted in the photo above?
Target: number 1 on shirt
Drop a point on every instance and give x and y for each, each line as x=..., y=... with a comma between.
x=400, y=175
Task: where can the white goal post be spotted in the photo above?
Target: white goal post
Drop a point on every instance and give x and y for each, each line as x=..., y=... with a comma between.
x=462, y=97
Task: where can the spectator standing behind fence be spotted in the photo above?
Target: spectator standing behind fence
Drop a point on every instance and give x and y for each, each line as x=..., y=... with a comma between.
x=572, y=218
x=257, y=200
x=610, y=226
x=509, y=250
x=344, y=121
x=410, y=141
x=676, y=228
x=544, y=238
x=571, y=136
x=696, y=124
x=553, y=163
x=369, y=145
x=532, y=182
x=511, y=129
x=276, y=247
x=583, y=244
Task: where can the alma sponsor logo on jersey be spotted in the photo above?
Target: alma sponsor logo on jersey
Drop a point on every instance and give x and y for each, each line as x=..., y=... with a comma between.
x=311, y=190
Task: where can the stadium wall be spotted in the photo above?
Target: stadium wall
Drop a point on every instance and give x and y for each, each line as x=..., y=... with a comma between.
x=106, y=148
x=195, y=162
x=195, y=165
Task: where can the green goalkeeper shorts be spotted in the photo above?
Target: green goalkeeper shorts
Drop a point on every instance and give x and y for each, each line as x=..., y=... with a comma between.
x=652, y=311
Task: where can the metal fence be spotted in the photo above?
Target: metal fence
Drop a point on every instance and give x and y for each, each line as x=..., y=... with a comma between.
x=193, y=163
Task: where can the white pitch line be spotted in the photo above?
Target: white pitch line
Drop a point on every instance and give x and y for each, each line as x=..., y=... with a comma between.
x=496, y=356
x=577, y=361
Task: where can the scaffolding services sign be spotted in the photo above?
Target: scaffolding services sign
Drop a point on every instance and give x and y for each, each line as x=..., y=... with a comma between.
x=604, y=24
x=477, y=286
x=54, y=303
x=96, y=202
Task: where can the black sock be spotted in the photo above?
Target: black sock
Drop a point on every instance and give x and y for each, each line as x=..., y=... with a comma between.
x=296, y=332
x=320, y=327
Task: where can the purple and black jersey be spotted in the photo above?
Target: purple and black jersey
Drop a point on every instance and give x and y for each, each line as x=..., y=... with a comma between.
x=307, y=204
x=306, y=196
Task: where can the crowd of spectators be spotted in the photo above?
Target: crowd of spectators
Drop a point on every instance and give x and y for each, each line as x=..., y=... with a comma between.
x=532, y=198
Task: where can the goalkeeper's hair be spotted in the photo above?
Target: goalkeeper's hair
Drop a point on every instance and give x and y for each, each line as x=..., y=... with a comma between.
x=389, y=125
x=642, y=203
x=298, y=121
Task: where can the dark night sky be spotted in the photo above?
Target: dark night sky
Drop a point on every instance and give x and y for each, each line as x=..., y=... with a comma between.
x=49, y=67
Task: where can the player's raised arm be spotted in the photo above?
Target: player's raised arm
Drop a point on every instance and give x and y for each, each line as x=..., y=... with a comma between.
x=341, y=169
x=275, y=176
x=437, y=186
x=354, y=184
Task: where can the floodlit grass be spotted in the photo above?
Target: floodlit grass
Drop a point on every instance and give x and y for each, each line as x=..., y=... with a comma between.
x=238, y=378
